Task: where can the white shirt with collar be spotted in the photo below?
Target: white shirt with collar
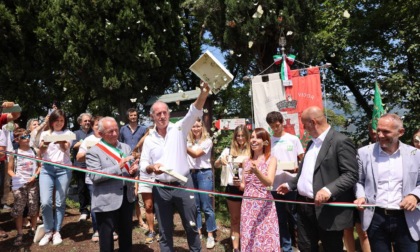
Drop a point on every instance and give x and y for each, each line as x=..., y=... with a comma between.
x=305, y=182
x=390, y=178
x=171, y=151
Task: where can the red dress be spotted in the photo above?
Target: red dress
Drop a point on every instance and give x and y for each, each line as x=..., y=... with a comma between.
x=259, y=223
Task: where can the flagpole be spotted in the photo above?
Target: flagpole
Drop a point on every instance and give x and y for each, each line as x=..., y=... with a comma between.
x=323, y=68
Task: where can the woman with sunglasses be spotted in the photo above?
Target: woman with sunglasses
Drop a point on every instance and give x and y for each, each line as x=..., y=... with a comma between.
x=239, y=147
x=53, y=178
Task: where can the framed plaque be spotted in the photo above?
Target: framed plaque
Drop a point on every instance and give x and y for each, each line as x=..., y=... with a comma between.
x=211, y=71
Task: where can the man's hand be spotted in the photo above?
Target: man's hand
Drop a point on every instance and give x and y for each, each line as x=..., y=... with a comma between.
x=8, y=104
x=282, y=189
x=321, y=196
x=359, y=202
x=134, y=167
x=154, y=168
x=77, y=145
x=409, y=203
x=124, y=161
x=204, y=87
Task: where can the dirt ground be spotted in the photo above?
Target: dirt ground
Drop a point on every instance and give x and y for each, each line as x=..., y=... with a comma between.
x=77, y=236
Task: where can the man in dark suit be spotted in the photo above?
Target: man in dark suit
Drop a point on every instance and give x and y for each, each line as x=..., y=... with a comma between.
x=112, y=199
x=327, y=173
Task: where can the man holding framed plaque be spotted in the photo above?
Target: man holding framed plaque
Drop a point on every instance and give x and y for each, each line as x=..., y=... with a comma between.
x=166, y=149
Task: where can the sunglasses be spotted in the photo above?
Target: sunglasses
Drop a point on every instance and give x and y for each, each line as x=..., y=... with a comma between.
x=25, y=137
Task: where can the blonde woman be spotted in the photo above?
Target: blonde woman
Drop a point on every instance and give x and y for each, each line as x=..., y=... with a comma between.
x=239, y=147
x=199, y=147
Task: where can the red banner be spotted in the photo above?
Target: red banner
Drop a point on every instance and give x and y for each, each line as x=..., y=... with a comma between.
x=291, y=100
x=306, y=90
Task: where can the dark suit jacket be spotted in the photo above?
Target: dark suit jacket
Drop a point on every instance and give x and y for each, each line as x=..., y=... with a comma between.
x=336, y=168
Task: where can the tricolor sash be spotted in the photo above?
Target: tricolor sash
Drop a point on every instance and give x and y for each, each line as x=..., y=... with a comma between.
x=113, y=152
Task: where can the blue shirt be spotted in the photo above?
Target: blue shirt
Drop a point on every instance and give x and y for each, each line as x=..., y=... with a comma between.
x=127, y=137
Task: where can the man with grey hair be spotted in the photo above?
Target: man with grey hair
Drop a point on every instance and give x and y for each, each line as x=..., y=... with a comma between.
x=82, y=191
x=112, y=199
x=166, y=147
x=389, y=177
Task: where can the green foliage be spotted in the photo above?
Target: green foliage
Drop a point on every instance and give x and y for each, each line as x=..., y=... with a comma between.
x=72, y=204
x=366, y=42
x=94, y=55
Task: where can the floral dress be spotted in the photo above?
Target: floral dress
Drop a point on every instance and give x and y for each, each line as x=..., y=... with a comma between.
x=259, y=223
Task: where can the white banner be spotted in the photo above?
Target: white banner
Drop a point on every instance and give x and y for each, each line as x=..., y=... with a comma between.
x=267, y=91
x=229, y=124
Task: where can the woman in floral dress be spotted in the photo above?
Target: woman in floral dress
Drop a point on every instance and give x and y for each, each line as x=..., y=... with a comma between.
x=259, y=224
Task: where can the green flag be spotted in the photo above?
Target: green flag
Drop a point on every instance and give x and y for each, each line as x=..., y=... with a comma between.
x=378, y=109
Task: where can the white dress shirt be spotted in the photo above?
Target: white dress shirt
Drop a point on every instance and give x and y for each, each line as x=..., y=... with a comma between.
x=171, y=151
x=305, y=182
x=390, y=176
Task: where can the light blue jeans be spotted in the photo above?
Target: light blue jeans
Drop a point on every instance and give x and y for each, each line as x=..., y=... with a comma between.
x=53, y=178
x=203, y=179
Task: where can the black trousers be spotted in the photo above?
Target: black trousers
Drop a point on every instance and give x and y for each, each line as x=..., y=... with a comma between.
x=166, y=200
x=119, y=220
x=82, y=192
x=309, y=232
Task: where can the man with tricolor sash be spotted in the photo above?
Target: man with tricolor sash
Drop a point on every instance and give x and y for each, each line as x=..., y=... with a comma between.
x=112, y=199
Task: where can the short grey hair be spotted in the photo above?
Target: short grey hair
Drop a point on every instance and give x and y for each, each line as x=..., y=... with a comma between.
x=101, y=123
x=28, y=124
x=79, y=119
x=156, y=102
x=398, y=123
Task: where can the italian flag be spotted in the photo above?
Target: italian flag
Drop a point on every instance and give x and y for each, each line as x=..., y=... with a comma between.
x=112, y=152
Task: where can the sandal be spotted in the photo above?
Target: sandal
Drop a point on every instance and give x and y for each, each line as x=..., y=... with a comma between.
x=18, y=240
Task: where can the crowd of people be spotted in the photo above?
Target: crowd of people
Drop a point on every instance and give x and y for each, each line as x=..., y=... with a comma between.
x=259, y=171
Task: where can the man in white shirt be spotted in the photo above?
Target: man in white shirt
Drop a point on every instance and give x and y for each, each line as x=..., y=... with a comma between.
x=327, y=173
x=390, y=178
x=166, y=147
x=287, y=149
